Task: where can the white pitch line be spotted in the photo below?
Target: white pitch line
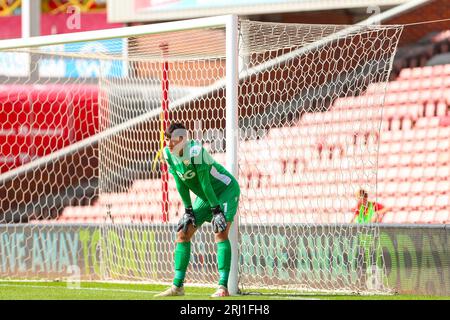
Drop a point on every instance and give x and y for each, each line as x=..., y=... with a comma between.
x=135, y=291
x=81, y=288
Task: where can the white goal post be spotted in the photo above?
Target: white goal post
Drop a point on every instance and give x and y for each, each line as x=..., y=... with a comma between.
x=282, y=106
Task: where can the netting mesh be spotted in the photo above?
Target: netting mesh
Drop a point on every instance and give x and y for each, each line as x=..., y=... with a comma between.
x=308, y=155
x=303, y=150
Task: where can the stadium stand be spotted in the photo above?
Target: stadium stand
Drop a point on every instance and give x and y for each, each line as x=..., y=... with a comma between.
x=420, y=53
x=413, y=163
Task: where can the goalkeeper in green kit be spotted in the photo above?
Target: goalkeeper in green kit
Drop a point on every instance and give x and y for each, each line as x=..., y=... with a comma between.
x=217, y=200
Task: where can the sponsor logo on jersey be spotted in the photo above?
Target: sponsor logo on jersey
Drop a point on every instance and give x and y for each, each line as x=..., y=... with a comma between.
x=187, y=175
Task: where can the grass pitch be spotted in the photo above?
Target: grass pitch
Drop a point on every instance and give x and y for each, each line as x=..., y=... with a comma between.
x=120, y=291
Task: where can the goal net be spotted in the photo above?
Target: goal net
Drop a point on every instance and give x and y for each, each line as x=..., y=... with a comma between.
x=81, y=141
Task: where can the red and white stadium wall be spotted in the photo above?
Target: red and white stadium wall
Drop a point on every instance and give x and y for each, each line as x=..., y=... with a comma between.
x=56, y=24
x=40, y=119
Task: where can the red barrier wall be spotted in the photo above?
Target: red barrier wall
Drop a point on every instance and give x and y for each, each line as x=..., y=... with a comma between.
x=40, y=119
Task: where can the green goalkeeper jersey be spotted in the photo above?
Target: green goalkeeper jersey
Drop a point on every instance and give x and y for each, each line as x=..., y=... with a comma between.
x=198, y=172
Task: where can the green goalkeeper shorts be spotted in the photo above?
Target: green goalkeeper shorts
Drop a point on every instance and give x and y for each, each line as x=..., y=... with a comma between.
x=229, y=202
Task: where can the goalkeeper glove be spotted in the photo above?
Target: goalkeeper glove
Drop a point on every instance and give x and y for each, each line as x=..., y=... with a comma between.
x=218, y=221
x=186, y=220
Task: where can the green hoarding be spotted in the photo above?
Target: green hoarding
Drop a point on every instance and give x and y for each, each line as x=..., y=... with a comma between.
x=416, y=258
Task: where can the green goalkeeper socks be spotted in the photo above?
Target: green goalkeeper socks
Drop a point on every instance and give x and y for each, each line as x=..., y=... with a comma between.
x=224, y=261
x=182, y=256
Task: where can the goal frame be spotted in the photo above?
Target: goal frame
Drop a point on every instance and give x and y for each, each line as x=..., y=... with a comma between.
x=230, y=85
x=229, y=23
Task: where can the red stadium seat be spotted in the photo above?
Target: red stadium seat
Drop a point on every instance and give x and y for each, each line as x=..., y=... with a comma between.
x=442, y=187
x=443, y=201
x=400, y=217
x=388, y=217
x=441, y=109
x=414, y=216
x=429, y=122
x=427, y=217
x=396, y=124
x=407, y=124
x=406, y=73
x=442, y=216
x=429, y=186
x=443, y=172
